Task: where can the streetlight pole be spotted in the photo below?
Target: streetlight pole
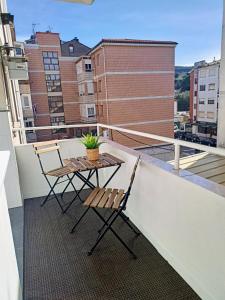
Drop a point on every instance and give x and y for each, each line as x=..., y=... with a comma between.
x=221, y=109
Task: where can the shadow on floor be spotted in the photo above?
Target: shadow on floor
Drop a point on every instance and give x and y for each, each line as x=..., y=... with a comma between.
x=57, y=266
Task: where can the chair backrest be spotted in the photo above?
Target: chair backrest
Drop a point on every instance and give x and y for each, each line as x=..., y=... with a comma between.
x=131, y=181
x=45, y=147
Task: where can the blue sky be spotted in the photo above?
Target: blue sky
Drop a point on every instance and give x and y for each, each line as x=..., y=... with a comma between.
x=194, y=24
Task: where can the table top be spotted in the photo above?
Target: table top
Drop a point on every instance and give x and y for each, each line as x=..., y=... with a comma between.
x=105, y=160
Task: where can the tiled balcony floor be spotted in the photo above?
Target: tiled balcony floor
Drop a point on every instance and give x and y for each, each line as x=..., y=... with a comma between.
x=57, y=266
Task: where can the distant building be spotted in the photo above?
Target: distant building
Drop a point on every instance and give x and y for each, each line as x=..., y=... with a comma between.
x=204, y=95
x=134, y=86
x=53, y=83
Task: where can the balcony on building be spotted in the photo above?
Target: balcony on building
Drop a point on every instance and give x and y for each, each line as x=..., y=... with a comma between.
x=178, y=209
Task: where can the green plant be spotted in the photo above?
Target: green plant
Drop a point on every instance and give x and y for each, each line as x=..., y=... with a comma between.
x=91, y=141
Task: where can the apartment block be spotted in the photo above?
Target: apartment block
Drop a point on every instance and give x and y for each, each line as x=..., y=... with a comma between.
x=53, y=82
x=134, y=86
x=204, y=96
x=121, y=82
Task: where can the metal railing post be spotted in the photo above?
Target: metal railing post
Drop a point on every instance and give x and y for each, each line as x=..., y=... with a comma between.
x=98, y=130
x=177, y=157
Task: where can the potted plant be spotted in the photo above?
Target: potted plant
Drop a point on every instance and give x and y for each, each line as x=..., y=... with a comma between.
x=92, y=144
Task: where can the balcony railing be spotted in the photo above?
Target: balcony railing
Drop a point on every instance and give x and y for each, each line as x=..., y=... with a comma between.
x=176, y=142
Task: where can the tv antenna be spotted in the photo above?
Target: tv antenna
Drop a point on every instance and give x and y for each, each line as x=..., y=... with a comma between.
x=33, y=27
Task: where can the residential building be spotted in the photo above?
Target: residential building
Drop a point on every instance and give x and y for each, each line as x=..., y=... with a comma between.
x=134, y=86
x=204, y=96
x=53, y=83
x=85, y=80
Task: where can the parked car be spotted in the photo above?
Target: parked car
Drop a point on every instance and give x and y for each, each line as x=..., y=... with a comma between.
x=207, y=141
x=180, y=135
x=195, y=138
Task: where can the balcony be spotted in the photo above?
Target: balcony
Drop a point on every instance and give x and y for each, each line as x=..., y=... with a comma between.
x=181, y=217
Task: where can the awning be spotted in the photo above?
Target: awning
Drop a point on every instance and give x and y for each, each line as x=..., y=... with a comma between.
x=80, y=1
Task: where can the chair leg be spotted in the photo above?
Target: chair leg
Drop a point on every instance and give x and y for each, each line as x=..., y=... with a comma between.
x=107, y=220
x=51, y=190
x=78, y=193
x=81, y=217
x=109, y=227
x=126, y=220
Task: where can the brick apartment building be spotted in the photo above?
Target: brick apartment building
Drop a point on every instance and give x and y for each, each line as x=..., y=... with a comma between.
x=134, y=86
x=127, y=83
x=204, y=96
x=53, y=82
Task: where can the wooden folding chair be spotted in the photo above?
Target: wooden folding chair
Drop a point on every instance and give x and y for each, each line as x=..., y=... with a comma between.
x=58, y=173
x=115, y=200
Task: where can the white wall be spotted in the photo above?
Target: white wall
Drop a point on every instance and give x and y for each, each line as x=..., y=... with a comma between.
x=9, y=276
x=185, y=222
x=12, y=179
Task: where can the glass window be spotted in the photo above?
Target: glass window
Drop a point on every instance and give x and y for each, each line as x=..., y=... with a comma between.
x=55, y=104
x=50, y=60
x=90, y=88
x=26, y=101
x=71, y=49
x=88, y=68
x=201, y=101
x=212, y=86
x=202, y=87
x=53, y=84
x=91, y=111
x=211, y=101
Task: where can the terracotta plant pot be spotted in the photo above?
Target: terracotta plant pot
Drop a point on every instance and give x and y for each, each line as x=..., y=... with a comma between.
x=93, y=154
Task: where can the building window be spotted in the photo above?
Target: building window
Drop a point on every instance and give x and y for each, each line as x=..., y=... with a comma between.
x=195, y=106
x=51, y=61
x=81, y=89
x=212, y=72
x=212, y=86
x=202, y=87
x=211, y=101
x=100, y=86
x=55, y=104
x=71, y=49
x=56, y=121
x=26, y=101
x=196, y=93
x=201, y=101
x=28, y=124
x=90, y=88
x=196, y=80
x=202, y=73
x=88, y=68
x=53, y=82
x=91, y=112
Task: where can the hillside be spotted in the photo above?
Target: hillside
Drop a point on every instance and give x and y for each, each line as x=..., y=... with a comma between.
x=182, y=87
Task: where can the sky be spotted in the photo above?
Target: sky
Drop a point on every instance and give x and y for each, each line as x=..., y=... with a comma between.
x=194, y=24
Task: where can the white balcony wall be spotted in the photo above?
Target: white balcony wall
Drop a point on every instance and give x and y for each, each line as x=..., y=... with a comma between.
x=33, y=183
x=9, y=277
x=182, y=219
